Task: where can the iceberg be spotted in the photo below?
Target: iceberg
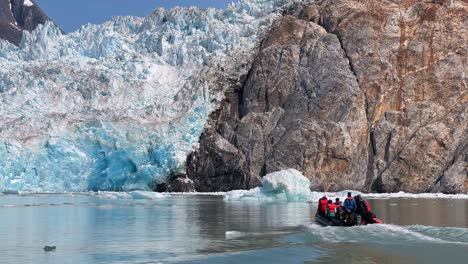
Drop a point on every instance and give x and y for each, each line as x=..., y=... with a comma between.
x=118, y=106
x=286, y=185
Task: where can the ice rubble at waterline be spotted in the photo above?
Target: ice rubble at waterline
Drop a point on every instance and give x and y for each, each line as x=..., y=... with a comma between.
x=116, y=106
x=287, y=185
x=292, y=186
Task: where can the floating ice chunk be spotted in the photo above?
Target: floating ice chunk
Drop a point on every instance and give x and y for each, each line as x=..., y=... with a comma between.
x=286, y=185
x=139, y=195
x=146, y=195
x=113, y=195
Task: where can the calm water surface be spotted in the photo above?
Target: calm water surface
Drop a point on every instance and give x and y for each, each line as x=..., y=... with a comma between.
x=205, y=229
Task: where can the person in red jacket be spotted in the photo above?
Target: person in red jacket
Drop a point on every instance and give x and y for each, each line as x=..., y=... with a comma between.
x=338, y=202
x=331, y=209
x=322, y=205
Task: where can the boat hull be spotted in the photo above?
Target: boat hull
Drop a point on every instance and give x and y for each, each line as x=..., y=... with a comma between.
x=339, y=221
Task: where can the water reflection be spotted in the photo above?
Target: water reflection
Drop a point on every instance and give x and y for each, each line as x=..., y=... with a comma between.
x=205, y=229
x=430, y=212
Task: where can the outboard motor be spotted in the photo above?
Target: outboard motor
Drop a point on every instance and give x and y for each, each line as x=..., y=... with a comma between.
x=358, y=219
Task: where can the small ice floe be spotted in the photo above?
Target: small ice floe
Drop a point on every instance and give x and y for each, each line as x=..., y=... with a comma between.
x=146, y=195
x=139, y=195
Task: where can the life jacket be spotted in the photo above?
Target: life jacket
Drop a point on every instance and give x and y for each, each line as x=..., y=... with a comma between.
x=362, y=206
x=338, y=204
x=322, y=205
x=368, y=207
x=331, y=208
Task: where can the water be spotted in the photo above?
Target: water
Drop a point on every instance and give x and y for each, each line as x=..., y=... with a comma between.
x=90, y=228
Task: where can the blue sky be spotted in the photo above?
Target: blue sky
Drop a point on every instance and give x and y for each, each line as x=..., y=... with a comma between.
x=71, y=14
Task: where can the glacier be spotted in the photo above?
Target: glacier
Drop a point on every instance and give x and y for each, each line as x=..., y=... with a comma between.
x=118, y=106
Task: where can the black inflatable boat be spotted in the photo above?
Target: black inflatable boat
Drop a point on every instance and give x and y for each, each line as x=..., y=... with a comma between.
x=341, y=221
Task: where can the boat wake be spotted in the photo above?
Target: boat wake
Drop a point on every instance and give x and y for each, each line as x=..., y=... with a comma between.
x=387, y=234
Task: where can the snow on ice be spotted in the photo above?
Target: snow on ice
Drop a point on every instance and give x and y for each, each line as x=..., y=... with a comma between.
x=28, y=3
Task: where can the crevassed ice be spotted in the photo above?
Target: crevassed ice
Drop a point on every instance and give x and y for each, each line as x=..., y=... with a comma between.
x=286, y=185
x=115, y=106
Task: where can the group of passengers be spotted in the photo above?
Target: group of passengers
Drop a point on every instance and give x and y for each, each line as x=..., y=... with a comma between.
x=347, y=210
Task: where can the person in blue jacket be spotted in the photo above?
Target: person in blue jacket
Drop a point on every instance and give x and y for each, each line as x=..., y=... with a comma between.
x=349, y=204
x=349, y=207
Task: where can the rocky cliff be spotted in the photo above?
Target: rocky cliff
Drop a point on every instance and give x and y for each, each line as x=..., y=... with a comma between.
x=17, y=16
x=366, y=95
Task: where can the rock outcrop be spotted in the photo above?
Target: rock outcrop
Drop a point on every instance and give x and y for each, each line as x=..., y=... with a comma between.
x=366, y=95
x=176, y=183
x=17, y=16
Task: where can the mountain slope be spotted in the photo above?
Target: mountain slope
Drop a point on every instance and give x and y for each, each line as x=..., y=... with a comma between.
x=366, y=95
x=17, y=16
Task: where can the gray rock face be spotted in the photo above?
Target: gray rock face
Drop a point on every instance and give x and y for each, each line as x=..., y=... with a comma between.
x=15, y=17
x=291, y=113
x=410, y=61
x=366, y=95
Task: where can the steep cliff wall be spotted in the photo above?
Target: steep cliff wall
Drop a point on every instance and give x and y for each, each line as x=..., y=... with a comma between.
x=368, y=95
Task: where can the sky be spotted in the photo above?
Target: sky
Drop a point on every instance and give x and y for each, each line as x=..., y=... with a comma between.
x=70, y=15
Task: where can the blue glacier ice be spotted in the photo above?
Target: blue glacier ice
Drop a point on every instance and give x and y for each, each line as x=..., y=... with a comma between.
x=117, y=106
x=286, y=185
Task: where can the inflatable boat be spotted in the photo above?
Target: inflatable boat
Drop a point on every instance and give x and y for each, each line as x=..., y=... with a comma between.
x=341, y=221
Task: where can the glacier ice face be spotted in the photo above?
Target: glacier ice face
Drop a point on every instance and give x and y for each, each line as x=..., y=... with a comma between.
x=117, y=106
x=286, y=185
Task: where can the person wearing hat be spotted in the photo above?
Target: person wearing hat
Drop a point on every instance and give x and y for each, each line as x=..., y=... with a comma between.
x=349, y=208
x=349, y=204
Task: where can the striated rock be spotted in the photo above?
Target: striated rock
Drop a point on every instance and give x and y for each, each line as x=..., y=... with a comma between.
x=17, y=16
x=291, y=113
x=409, y=58
x=367, y=95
